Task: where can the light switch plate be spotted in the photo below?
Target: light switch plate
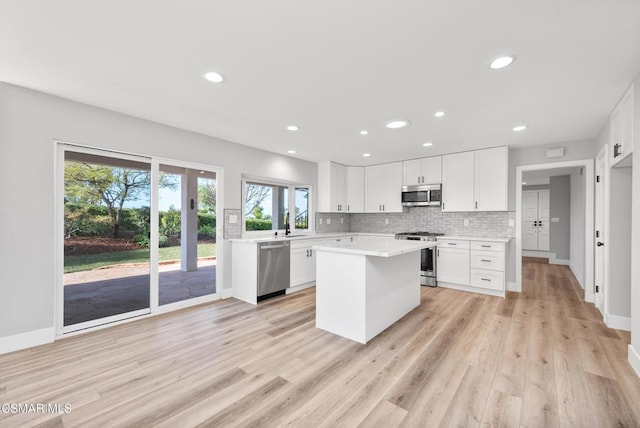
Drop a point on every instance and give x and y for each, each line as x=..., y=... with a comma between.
x=328, y=221
x=341, y=220
x=555, y=220
x=233, y=219
x=386, y=221
x=465, y=222
x=512, y=222
x=320, y=220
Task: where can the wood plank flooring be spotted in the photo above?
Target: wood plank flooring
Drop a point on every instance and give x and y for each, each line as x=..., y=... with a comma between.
x=540, y=358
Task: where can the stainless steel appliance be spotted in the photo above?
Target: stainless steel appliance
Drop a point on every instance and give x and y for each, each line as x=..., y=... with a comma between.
x=422, y=195
x=428, y=265
x=273, y=268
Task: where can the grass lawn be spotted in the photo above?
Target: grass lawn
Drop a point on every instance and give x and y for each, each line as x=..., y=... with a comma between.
x=80, y=263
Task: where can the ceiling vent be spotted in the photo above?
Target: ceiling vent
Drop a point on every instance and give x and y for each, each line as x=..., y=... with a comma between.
x=555, y=153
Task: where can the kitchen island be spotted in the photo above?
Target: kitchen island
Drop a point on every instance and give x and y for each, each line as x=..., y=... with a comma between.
x=364, y=286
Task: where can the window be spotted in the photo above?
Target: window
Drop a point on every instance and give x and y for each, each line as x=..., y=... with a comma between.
x=269, y=206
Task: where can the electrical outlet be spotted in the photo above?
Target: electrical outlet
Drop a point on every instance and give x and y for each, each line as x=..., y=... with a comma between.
x=386, y=221
x=512, y=222
x=328, y=221
x=465, y=222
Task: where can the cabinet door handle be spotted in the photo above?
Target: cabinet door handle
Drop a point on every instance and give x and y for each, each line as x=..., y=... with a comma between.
x=485, y=246
x=483, y=260
x=485, y=279
x=310, y=253
x=348, y=207
x=451, y=243
x=476, y=204
x=382, y=207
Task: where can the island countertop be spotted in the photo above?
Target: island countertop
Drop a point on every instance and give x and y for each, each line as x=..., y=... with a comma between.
x=377, y=247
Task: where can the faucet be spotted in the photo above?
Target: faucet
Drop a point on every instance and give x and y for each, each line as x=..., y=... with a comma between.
x=287, y=228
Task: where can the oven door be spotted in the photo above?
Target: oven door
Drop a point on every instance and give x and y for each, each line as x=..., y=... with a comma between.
x=428, y=267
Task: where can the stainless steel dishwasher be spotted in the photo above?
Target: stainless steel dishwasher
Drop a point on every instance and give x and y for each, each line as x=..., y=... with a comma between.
x=274, y=259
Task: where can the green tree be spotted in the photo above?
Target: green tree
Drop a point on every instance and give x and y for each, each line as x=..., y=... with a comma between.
x=207, y=196
x=110, y=186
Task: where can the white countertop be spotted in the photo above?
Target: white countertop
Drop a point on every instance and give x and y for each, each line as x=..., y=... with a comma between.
x=382, y=247
x=478, y=238
x=300, y=236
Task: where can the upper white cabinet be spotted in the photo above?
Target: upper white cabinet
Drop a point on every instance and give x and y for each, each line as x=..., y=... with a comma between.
x=422, y=171
x=622, y=128
x=458, y=182
x=382, y=188
x=475, y=181
x=332, y=187
x=491, y=175
x=341, y=188
x=355, y=189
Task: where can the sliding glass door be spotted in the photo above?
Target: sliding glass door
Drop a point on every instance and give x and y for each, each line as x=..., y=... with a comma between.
x=139, y=236
x=106, y=238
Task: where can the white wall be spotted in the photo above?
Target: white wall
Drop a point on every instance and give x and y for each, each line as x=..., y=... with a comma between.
x=560, y=208
x=574, y=150
x=29, y=123
x=634, y=352
x=577, y=224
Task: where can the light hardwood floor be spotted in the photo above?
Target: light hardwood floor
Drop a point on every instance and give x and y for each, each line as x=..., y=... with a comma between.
x=540, y=358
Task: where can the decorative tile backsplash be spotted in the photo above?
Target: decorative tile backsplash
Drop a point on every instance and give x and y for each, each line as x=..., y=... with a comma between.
x=430, y=219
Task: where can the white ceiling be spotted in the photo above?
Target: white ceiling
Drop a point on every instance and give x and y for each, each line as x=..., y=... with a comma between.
x=335, y=67
x=542, y=176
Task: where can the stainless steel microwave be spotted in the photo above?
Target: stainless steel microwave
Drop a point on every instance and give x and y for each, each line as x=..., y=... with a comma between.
x=422, y=195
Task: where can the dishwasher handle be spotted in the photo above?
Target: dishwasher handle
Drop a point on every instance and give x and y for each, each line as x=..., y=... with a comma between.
x=273, y=246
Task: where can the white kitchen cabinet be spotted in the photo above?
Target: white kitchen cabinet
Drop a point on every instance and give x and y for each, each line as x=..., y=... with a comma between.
x=453, y=265
x=355, y=189
x=458, y=182
x=622, y=129
x=383, y=185
x=476, y=266
x=490, y=184
x=422, y=171
x=332, y=187
x=475, y=181
x=302, y=265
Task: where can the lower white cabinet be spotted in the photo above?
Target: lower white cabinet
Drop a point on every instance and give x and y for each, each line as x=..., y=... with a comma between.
x=477, y=266
x=303, y=264
x=453, y=262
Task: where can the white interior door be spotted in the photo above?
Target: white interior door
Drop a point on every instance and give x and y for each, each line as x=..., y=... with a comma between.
x=529, y=219
x=543, y=220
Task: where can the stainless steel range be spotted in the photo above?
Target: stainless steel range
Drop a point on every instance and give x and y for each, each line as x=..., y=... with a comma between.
x=428, y=265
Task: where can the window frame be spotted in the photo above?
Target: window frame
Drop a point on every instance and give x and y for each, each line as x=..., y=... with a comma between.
x=291, y=187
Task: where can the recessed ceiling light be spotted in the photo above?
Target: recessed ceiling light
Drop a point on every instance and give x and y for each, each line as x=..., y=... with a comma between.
x=201, y=172
x=439, y=114
x=291, y=152
x=366, y=155
x=214, y=77
x=502, y=62
x=427, y=144
x=519, y=128
x=364, y=132
x=396, y=124
x=292, y=128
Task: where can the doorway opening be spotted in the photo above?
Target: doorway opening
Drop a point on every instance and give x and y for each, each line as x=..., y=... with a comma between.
x=545, y=195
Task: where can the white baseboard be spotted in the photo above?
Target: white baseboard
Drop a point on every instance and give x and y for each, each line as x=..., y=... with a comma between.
x=27, y=340
x=513, y=286
x=578, y=277
x=532, y=253
x=471, y=289
x=300, y=287
x=225, y=293
x=634, y=360
x=617, y=322
x=554, y=261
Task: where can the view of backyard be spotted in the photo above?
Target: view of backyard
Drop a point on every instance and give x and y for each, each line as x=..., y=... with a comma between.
x=107, y=242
